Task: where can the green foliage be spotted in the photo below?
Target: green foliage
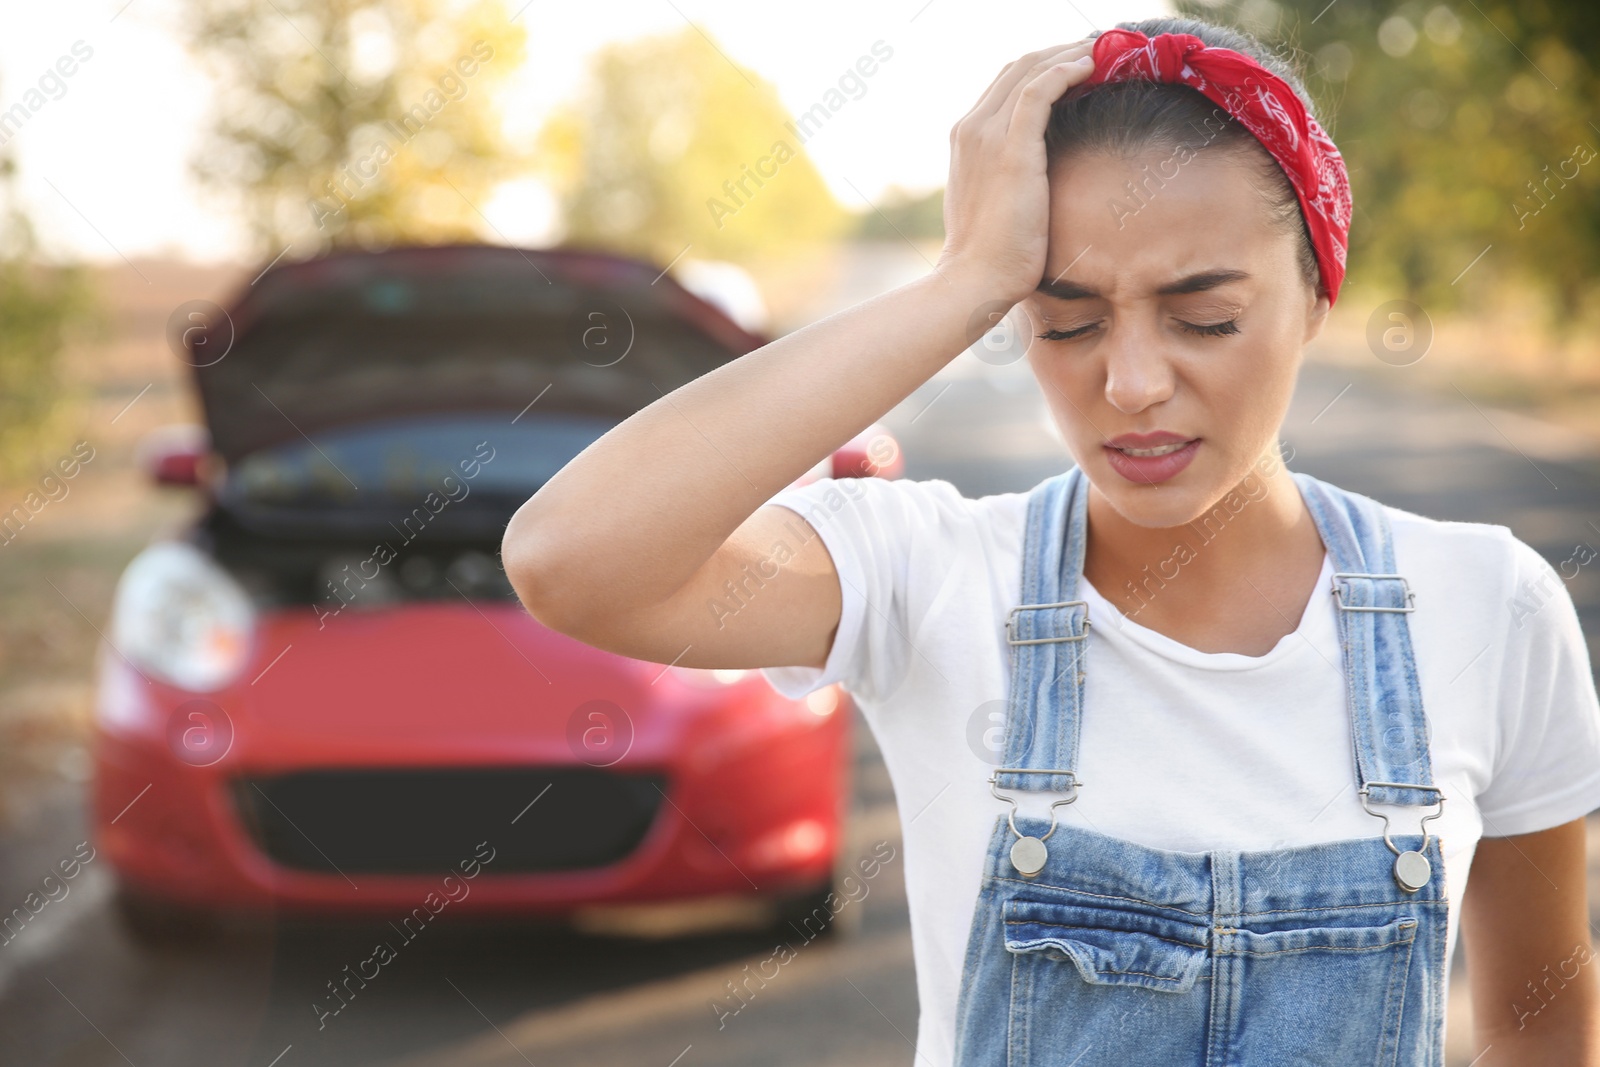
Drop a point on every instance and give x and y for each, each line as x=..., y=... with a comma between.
x=355, y=122
x=674, y=146
x=40, y=308
x=1464, y=127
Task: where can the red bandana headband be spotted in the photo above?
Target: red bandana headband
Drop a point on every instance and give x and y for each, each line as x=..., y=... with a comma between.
x=1267, y=107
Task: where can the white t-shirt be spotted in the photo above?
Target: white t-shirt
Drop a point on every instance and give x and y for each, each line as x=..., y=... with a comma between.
x=1181, y=749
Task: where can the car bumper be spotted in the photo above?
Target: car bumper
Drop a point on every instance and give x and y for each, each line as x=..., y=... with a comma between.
x=756, y=814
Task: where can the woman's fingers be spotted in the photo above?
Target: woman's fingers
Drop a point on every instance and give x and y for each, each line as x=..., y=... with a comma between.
x=1001, y=89
x=1030, y=66
x=1000, y=86
x=988, y=93
x=1080, y=50
x=1035, y=97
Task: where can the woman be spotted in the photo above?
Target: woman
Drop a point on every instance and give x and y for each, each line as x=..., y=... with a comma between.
x=1165, y=208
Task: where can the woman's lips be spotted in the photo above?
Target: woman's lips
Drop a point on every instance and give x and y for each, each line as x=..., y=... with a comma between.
x=1148, y=470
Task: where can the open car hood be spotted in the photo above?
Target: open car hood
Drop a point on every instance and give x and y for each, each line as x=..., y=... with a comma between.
x=357, y=336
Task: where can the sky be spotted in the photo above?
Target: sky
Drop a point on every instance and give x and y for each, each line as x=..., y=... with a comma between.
x=104, y=163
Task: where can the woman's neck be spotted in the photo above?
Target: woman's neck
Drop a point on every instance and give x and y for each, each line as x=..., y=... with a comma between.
x=1234, y=579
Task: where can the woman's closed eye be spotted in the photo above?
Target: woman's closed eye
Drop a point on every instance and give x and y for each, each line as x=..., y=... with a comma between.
x=1214, y=329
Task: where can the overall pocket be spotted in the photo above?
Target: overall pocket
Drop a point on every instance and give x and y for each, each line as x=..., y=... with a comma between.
x=1101, y=986
x=1098, y=986
x=1109, y=946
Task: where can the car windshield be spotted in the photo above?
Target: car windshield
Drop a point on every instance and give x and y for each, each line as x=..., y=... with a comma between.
x=379, y=465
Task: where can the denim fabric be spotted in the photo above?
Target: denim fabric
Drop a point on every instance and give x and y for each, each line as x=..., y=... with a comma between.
x=1116, y=953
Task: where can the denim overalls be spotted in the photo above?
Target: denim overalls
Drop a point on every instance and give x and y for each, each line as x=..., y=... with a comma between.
x=1114, y=954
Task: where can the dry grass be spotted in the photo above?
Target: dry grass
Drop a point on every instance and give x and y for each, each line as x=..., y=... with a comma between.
x=1501, y=353
x=57, y=575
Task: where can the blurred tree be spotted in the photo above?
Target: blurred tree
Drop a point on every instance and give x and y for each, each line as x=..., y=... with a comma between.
x=903, y=214
x=40, y=306
x=674, y=146
x=355, y=122
x=1463, y=128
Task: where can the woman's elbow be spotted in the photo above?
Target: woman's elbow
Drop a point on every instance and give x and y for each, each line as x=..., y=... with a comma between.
x=532, y=562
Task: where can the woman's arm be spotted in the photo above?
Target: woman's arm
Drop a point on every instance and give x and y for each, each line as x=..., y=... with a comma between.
x=626, y=545
x=1530, y=960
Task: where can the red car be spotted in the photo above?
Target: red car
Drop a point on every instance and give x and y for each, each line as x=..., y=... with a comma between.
x=324, y=697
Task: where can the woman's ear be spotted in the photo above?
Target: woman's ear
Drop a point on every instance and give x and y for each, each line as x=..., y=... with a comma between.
x=1317, y=315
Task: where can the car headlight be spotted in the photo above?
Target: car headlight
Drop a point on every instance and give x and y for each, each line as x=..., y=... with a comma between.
x=180, y=618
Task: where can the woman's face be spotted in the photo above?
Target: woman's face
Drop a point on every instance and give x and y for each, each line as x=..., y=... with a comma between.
x=1209, y=365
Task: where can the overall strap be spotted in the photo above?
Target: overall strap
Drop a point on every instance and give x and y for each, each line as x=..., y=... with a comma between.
x=1388, y=727
x=1045, y=633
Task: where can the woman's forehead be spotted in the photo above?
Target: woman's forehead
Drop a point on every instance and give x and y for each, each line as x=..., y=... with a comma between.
x=1138, y=224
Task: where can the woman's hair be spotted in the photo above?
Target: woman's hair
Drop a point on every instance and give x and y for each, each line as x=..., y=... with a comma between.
x=1126, y=117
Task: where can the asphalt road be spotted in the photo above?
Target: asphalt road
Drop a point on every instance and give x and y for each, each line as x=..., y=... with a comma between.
x=76, y=992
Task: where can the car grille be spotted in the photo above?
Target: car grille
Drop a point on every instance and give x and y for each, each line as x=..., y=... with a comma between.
x=426, y=821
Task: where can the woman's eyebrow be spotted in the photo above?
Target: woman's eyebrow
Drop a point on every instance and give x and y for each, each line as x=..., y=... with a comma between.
x=1190, y=283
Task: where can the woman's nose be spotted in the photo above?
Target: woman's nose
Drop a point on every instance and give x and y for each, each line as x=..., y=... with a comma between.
x=1138, y=372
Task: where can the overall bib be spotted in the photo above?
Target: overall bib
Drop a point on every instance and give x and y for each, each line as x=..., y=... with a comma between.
x=1087, y=950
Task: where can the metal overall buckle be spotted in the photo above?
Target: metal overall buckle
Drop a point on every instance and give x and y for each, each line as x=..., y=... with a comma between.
x=1011, y=638
x=1028, y=854
x=1410, y=597
x=1411, y=869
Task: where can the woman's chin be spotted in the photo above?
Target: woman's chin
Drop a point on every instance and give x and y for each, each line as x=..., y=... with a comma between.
x=1175, y=502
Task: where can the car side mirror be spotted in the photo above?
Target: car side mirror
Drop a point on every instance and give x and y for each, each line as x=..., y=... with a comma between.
x=872, y=453
x=175, y=455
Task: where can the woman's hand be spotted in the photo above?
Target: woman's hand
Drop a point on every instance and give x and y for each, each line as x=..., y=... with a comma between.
x=997, y=202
